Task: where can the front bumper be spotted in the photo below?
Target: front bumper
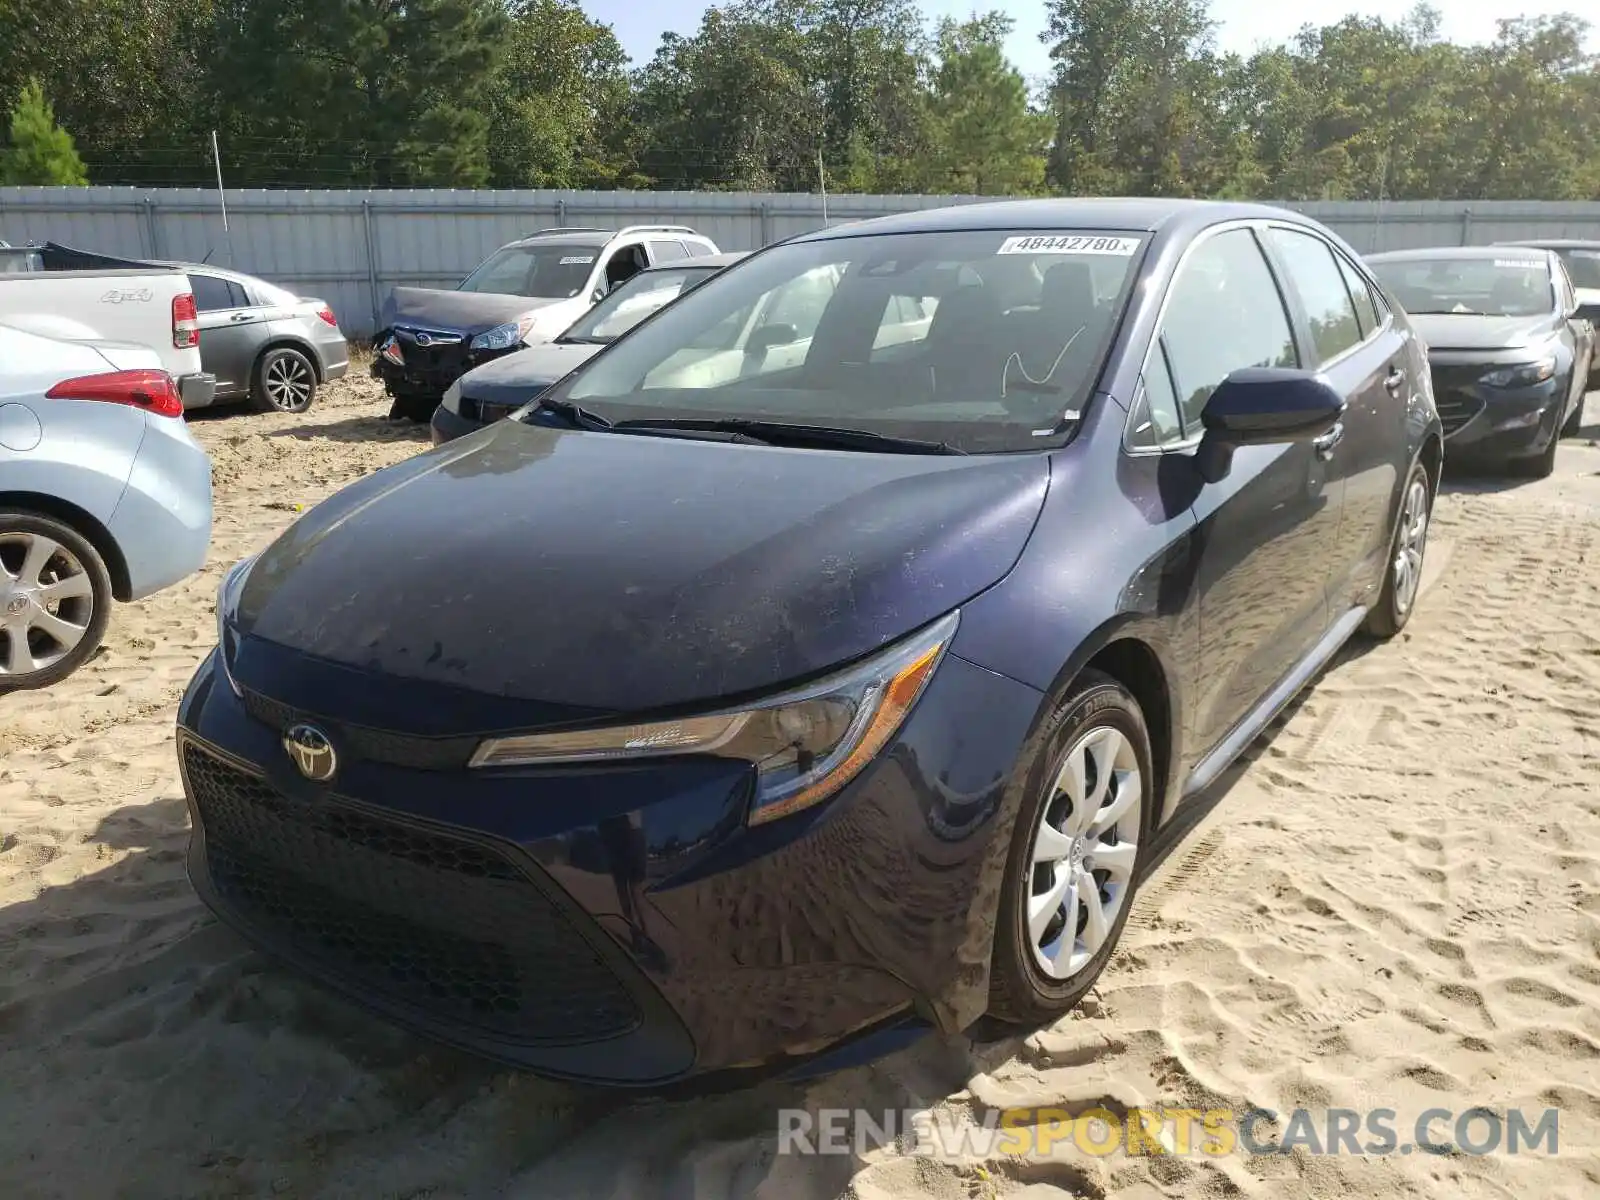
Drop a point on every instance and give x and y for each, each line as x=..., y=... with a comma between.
x=447, y=426
x=1491, y=422
x=618, y=925
x=198, y=390
x=428, y=370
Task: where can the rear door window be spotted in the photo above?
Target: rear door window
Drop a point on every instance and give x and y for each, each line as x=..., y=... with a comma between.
x=1366, y=306
x=665, y=252
x=210, y=293
x=1316, y=278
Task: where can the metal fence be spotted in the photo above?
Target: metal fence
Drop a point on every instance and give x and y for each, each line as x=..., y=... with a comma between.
x=351, y=247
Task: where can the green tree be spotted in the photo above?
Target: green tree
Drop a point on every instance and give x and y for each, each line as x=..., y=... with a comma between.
x=558, y=101
x=40, y=152
x=731, y=107
x=343, y=92
x=987, y=139
x=126, y=76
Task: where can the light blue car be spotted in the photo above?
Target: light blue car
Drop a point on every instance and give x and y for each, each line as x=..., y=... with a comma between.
x=104, y=495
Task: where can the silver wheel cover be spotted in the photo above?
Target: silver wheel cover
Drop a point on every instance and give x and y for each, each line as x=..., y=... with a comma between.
x=1083, y=852
x=46, y=603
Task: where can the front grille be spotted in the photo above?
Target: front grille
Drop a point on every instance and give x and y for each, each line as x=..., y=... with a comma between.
x=1453, y=397
x=375, y=745
x=446, y=927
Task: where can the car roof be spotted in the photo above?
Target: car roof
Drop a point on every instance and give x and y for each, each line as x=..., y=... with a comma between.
x=1122, y=214
x=1432, y=252
x=714, y=261
x=1557, y=243
x=211, y=269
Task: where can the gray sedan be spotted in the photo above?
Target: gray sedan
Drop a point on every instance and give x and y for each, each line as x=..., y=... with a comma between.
x=265, y=345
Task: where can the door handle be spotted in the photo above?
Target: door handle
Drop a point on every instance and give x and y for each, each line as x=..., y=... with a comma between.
x=1324, y=445
x=1395, y=380
x=240, y=317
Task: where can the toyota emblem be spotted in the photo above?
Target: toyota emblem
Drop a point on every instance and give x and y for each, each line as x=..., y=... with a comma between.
x=311, y=752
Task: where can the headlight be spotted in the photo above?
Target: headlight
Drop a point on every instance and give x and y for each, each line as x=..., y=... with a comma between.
x=1521, y=375
x=452, y=398
x=805, y=744
x=502, y=337
x=227, y=600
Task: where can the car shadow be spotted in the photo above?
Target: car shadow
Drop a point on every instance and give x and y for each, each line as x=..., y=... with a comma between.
x=357, y=429
x=130, y=1017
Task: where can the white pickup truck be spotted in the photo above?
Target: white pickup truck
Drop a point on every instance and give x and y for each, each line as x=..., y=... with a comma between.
x=40, y=292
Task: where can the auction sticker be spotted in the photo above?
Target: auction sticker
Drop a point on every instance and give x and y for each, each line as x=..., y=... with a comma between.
x=1119, y=247
x=577, y=260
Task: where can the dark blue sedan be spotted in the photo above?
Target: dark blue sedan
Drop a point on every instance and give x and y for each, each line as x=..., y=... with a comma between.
x=822, y=660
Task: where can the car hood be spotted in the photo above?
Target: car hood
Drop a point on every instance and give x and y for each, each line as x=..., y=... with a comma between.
x=1451, y=331
x=576, y=575
x=519, y=377
x=466, y=312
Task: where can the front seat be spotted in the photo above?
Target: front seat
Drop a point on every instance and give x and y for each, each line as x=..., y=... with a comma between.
x=965, y=351
x=1068, y=310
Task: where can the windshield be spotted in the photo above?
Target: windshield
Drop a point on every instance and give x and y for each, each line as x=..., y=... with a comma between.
x=635, y=300
x=545, y=271
x=1583, y=266
x=1511, y=286
x=983, y=340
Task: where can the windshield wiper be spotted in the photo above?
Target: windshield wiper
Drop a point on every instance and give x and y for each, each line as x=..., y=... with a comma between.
x=575, y=415
x=780, y=433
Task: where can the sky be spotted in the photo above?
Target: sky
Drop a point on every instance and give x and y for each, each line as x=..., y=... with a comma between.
x=1244, y=23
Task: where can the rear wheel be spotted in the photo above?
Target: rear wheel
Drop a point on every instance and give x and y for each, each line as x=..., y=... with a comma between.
x=55, y=599
x=1075, y=854
x=1403, y=579
x=285, y=382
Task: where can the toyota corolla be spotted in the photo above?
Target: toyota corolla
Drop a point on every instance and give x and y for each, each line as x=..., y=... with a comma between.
x=755, y=708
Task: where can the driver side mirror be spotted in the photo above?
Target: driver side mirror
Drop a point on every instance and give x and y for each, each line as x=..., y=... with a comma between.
x=598, y=295
x=1264, y=406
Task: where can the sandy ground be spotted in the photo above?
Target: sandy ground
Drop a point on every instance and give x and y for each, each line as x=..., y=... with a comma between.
x=1395, y=902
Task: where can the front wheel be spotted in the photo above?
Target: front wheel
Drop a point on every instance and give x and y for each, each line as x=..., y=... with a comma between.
x=55, y=599
x=1075, y=854
x=1574, y=423
x=1403, y=579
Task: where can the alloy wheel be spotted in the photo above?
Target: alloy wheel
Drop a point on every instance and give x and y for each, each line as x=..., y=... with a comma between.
x=1084, y=852
x=46, y=602
x=1409, y=547
x=288, y=382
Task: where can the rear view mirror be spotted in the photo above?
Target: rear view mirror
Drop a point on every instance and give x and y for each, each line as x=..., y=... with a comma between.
x=1263, y=406
x=768, y=336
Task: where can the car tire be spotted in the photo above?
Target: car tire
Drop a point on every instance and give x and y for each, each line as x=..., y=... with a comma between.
x=1098, y=725
x=24, y=535
x=417, y=409
x=285, y=382
x=1574, y=424
x=1398, y=599
x=1538, y=466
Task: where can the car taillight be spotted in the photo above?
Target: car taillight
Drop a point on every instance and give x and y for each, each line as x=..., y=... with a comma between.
x=153, y=391
x=185, y=322
x=326, y=314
